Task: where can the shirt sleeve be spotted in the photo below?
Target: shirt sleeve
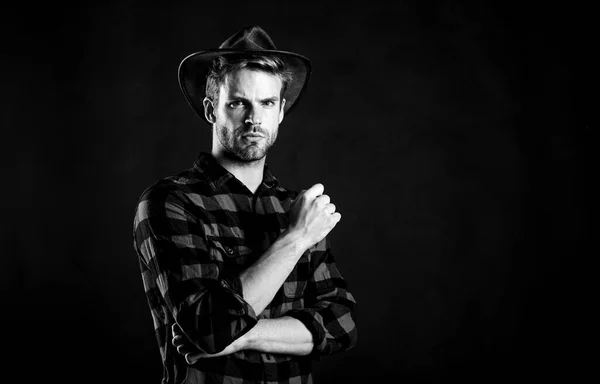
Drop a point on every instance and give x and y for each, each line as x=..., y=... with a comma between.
x=208, y=305
x=330, y=309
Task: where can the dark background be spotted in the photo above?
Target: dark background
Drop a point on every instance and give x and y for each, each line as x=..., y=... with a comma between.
x=453, y=137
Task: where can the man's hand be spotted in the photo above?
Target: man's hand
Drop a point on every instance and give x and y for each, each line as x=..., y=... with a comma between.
x=312, y=215
x=192, y=354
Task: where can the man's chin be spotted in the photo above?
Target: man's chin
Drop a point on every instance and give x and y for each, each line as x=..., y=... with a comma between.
x=250, y=154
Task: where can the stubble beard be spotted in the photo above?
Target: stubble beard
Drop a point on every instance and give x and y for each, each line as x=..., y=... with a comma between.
x=236, y=150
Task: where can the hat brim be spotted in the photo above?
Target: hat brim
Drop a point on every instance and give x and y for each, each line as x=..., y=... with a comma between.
x=194, y=68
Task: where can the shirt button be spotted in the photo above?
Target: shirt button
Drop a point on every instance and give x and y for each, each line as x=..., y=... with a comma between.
x=229, y=250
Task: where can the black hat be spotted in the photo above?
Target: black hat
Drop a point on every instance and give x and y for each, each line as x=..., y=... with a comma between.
x=251, y=40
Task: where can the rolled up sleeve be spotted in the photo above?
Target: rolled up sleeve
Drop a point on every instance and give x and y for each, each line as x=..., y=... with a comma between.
x=171, y=243
x=330, y=309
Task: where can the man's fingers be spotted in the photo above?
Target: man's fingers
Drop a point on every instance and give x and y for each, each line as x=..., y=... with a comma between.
x=184, y=349
x=180, y=342
x=176, y=329
x=314, y=191
x=337, y=216
x=192, y=358
x=323, y=200
x=330, y=208
x=177, y=340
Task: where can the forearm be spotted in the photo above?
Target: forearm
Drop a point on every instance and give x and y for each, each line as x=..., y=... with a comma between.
x=262, y=280
x=284, y=335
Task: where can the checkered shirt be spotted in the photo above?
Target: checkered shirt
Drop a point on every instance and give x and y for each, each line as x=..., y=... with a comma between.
x=194, y=233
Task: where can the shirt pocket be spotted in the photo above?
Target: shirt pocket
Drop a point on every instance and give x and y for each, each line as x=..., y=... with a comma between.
x=230, y=251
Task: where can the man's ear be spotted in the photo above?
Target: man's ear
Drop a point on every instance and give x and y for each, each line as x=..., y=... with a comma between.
x=209, y=110
x=281, y=113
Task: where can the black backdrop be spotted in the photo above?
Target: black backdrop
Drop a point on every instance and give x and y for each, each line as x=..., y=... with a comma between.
x=452, y=136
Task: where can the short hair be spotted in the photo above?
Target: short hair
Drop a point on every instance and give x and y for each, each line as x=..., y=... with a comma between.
x=224, y=65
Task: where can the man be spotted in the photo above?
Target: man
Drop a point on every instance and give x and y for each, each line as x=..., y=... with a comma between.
x=239, y=276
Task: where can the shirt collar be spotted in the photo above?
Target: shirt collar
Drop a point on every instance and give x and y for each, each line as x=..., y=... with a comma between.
x=217, y=176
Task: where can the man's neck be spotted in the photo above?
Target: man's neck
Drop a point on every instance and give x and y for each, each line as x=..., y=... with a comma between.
x=249, y=173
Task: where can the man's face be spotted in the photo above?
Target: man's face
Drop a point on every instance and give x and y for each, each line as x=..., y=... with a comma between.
x=247, y=116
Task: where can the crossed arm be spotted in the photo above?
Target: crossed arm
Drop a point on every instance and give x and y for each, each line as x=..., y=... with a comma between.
x=218, y=315
x=324, y=326
x=260, y=282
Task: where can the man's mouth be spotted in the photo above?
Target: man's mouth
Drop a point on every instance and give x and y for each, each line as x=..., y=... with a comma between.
x=252, y=136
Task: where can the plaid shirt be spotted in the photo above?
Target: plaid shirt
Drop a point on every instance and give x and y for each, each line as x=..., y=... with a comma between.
x=194, y=233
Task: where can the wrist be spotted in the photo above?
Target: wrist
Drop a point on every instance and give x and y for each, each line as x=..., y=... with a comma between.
x=248, y=341
x=295, y=240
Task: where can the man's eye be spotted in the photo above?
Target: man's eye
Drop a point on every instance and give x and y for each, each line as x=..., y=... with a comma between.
x=269, y=103
x=236, y=104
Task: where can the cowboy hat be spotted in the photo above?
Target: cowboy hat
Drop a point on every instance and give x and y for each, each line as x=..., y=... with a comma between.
x=251, y=40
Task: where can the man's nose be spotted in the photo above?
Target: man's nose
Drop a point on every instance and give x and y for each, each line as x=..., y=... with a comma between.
x=254, y=116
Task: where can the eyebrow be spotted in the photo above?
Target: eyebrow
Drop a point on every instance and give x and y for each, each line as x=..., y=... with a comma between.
x=238, y=97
